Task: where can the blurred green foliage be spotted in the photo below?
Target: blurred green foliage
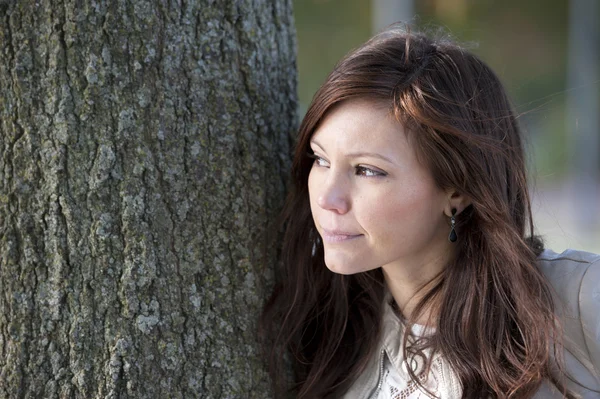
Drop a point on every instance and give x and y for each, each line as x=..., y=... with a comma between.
x=327, y=30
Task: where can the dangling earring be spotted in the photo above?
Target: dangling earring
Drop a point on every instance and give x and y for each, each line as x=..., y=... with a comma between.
x=316, y=243
x=452, y=237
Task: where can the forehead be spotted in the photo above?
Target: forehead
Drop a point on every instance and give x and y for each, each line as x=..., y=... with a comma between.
x=360, y=125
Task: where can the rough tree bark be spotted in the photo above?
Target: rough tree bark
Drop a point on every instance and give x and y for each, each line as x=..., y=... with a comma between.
x=144, y=149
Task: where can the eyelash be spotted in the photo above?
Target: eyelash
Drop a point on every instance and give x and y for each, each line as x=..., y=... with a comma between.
x=364, y=169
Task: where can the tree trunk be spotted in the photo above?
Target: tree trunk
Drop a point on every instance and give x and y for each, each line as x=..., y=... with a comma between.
x=144, y=149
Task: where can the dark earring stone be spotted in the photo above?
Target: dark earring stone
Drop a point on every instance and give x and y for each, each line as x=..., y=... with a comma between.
x=452, y=237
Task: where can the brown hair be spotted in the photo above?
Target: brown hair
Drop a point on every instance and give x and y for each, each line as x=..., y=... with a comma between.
x=496, y=318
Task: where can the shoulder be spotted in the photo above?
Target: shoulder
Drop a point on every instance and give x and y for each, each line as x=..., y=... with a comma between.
x=569, y=255
x=552, y=262
x=571, y=271
x=575, y=280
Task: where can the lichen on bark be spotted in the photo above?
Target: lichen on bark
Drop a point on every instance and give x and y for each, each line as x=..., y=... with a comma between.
x=144, y=147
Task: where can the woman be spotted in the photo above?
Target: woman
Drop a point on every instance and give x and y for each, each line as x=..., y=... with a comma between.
x=409, y=265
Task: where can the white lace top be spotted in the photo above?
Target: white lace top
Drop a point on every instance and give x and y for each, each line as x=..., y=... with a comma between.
x=389, y=372
x=398, y=385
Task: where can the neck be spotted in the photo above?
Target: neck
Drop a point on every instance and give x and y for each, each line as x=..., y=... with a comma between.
x=408, y=286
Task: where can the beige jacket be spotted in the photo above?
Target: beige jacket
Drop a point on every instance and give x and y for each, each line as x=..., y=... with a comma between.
x=575, y=278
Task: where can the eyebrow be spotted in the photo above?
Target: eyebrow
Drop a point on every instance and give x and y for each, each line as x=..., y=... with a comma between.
x=359, y=154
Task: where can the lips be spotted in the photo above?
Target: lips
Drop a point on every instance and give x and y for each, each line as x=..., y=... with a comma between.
x=333, y=236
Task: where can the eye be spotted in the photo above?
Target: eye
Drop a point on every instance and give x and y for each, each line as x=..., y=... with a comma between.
x=318, y=160
x=369, y=172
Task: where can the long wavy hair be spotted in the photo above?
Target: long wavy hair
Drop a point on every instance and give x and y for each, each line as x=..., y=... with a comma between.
x=495, y=321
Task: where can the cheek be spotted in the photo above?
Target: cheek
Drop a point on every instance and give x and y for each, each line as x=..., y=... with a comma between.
x=311, y=185
x=404, y=213
x=313, y=188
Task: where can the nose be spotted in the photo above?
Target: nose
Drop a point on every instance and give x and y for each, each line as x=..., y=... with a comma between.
x=334, y=193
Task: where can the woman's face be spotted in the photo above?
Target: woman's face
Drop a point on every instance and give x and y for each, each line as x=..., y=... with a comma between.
x=372, y=202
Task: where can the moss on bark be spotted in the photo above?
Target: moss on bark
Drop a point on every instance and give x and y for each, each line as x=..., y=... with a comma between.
x=144, y=147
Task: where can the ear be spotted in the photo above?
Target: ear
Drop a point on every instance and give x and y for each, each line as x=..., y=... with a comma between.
x=456, y=201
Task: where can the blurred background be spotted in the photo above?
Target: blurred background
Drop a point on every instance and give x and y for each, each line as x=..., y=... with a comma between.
x=547, y=53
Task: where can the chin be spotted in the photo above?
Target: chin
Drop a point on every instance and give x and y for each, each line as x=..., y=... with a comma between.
x=340, y=268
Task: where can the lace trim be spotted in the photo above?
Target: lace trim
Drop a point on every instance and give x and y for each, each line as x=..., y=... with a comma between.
x=412, y=390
